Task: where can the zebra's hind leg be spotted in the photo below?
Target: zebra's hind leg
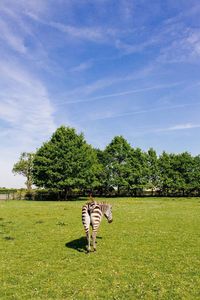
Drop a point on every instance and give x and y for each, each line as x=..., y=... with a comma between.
x=86, y=224
x=94, y=234
x=88, y=241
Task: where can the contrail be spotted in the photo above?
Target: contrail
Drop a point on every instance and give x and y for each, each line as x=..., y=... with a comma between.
x=129, y=92
x=130, y=113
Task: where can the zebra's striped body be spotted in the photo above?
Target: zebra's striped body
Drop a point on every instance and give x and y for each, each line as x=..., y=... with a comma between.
x=92, y=213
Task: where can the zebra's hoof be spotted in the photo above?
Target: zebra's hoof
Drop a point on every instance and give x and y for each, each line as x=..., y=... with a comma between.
x=95, y=249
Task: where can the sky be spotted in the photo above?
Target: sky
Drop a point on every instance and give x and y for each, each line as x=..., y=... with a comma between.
x=104, y=67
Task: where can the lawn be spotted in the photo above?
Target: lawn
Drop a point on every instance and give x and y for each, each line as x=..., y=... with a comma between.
x=150, y=251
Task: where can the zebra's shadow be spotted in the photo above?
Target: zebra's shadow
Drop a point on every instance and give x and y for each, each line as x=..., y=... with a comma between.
x=80, y=244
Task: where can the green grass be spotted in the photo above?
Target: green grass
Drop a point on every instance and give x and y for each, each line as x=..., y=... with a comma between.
x=150, y=251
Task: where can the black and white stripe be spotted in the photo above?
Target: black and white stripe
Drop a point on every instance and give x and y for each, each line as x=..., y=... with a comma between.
x=92, y=213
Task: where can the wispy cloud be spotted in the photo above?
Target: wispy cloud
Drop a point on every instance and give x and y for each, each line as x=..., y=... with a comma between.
x=24, y=105
x=177, y=40
x=88, y=89
x=179, y=127
x=111, y=115
x=26, y=116
x=184, y=49
x=16, y=33
x=127, y=9
x=12, y=38
x=193, y=40
x=173, y=37
x=98, y=34
x=82, y=66
x=83, y=33
x=38, y=8
x=103, y=84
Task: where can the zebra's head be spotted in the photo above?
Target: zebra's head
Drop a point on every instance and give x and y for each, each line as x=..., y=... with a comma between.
x=108, y=213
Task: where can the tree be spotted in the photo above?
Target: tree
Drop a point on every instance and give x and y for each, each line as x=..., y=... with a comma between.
x=24, y=167
x=116, y=161
x=176, y=173
x=195, y=184
x=153, y=169
x=66, y=161
x=138, y=171
x=103, y=175
x=183, y=165
x=166, y=172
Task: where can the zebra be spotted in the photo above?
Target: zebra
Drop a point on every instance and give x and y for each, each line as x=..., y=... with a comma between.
x=92, y=213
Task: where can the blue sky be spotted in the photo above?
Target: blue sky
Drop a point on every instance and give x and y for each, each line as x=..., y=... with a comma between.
x=105, y=67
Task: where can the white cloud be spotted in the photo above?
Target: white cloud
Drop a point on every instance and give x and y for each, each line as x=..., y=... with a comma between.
x=16, y=32
x=26, y=115
x=127, y=9
x=173, y=37
x=177, y=127
x=194, y=41
x=12, y=39
x=112, y=115
x=36, y=7
x=87, y=90
x=82, y=33
x=95, y=33
x=92, y=87
x=82, y=66
x=182, y=127
x=185, y=49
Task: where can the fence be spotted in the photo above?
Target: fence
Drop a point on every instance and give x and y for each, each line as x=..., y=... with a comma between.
x=7, y=196
x=12, y=195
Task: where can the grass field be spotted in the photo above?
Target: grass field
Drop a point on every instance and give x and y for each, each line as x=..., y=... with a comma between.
x=150, y=251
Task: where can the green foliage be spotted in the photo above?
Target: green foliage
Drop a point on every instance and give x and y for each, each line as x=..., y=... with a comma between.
x=103, y=176
x=150, y=251
x=116, y=162
x=65, y=162
x=7, y=191
x=178, y=173
x=24, y=167
x=153, y=172
x=132, y=171
x=195, y=177
x=138, y=171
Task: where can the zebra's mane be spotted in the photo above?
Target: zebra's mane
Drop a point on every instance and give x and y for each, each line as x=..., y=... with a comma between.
x=103, y=205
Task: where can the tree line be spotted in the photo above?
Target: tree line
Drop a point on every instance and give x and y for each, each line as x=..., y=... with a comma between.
x=68, y=165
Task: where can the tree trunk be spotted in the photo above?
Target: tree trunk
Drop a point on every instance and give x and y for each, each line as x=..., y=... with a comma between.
x=66, y=190
x=29, y=184
x=118, y=190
